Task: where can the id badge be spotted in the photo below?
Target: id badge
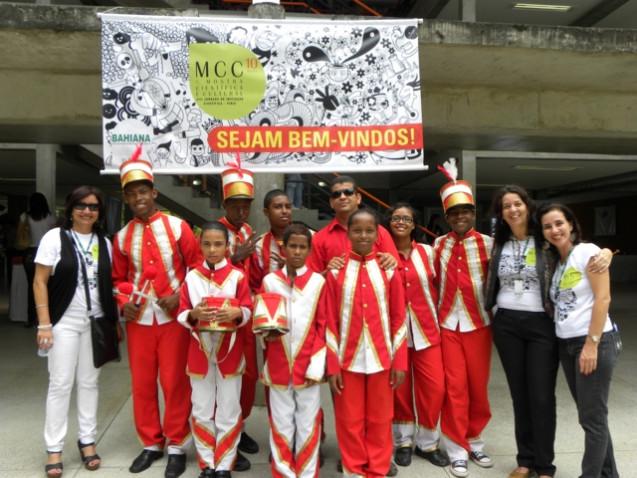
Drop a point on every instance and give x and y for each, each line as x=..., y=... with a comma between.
x=518, y=286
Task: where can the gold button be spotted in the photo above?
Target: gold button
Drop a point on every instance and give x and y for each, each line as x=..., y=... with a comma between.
x=459, y=270
x=408, y=284
x=364, y=285
x=459, y=258
x=364, y=306
x=406, y=268
x=152, y=262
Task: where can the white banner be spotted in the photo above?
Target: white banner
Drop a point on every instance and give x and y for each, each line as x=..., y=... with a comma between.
x=287, y=95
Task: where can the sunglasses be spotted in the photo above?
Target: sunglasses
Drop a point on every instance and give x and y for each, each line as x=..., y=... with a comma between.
x=348, y=192
x=405, y=219
x=80, y=206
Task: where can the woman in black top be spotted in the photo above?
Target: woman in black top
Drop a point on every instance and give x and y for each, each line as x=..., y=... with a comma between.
x=518, y=282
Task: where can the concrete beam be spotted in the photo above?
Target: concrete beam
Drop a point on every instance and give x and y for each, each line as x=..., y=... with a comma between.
x=484, y=86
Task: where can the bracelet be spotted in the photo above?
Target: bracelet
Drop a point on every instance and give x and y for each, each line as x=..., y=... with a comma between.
x=39, y=306
x=45, y=327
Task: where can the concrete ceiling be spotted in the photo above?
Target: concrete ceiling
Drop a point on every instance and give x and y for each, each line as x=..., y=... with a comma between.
x=443, y=65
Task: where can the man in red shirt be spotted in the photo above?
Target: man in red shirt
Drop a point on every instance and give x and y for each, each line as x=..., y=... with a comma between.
x=330, y=245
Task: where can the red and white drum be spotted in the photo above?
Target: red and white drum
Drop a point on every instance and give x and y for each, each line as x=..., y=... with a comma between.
x=213, y=325
x=270, y=313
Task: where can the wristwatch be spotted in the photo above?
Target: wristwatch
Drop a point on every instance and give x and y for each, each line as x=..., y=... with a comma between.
x=594, y=338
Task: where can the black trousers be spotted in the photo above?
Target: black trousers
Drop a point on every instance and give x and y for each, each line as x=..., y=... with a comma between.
x=591, y=397
x=29, y=269
x=528, y=350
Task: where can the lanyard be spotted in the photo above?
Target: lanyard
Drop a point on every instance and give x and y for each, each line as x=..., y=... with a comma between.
x=559, y=273
x=518, y=254
x=78, y=244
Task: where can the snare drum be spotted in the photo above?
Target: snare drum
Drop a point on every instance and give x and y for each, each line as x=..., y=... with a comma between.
x=269, y=313
x=213, y=325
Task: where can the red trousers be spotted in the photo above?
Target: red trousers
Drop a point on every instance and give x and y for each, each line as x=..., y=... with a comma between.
x=363, y=413
x=425, y=385
x=467, y=362
x=159, y=350
x=251, y=373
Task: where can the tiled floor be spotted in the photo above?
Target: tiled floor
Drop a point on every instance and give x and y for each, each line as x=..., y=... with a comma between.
x=23, y=381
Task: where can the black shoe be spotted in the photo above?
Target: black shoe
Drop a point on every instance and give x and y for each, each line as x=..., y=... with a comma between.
x=247, y=444
x=339, y=466
x=144, y=460
x=241, y=463
x=402, y=456
x=207, y=473
x=393, y=470
x=436, y=457
x=176, y=465
x=223, y=474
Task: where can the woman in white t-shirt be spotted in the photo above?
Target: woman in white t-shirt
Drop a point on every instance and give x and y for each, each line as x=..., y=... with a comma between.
x=37, y=221
x=588, y=341
x=72, y=287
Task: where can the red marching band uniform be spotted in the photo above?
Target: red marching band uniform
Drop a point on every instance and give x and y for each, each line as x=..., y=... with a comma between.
x=424, y=385
x=262, y=262
x=215, y=364
x=292, y=359
x=366, y=338
x=157, y=345
x=461, y=268
x=239, y=183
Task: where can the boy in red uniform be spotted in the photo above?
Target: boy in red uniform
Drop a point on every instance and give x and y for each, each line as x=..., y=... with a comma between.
x=268, y=255
x=157, y=344
x=215, y=357
x=238, y=194
x=295, y=361
x=461, y=258
x=367, y=353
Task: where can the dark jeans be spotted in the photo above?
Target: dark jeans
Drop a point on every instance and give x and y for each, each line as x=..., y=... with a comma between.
x=591, y=397
x=527, y=347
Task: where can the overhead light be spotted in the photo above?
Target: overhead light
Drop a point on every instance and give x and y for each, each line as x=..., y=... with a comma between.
x=544, y=7
x=322, y=184
x=196, y=182
x=528, y=167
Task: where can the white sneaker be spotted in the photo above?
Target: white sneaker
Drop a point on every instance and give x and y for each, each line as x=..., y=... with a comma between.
x=459, y=468
x=481, y=459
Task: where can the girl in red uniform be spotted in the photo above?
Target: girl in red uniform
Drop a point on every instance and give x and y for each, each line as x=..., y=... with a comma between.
x=418, y=401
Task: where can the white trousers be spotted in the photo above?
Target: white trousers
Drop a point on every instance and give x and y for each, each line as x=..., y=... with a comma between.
x=216, y=418
x=71, y=357
x=408, y=434
x=295, y=431
x=457, y=452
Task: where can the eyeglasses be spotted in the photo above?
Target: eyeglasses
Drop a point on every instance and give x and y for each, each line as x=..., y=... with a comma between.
x=348, y=192
x=405, y=219
x=80, y=206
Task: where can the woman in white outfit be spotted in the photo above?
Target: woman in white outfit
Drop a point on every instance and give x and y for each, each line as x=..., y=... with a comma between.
x=79, y=254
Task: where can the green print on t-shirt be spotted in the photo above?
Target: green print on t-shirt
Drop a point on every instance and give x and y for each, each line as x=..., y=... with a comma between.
x=571, y=278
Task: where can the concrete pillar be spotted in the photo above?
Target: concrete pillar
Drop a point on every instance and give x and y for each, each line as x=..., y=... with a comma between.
x=264, y=182
x=468, y=10
x=468, y=170
x=45, y=167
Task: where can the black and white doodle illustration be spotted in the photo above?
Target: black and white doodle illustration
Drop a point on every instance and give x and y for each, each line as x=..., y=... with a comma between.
x=318, y=74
